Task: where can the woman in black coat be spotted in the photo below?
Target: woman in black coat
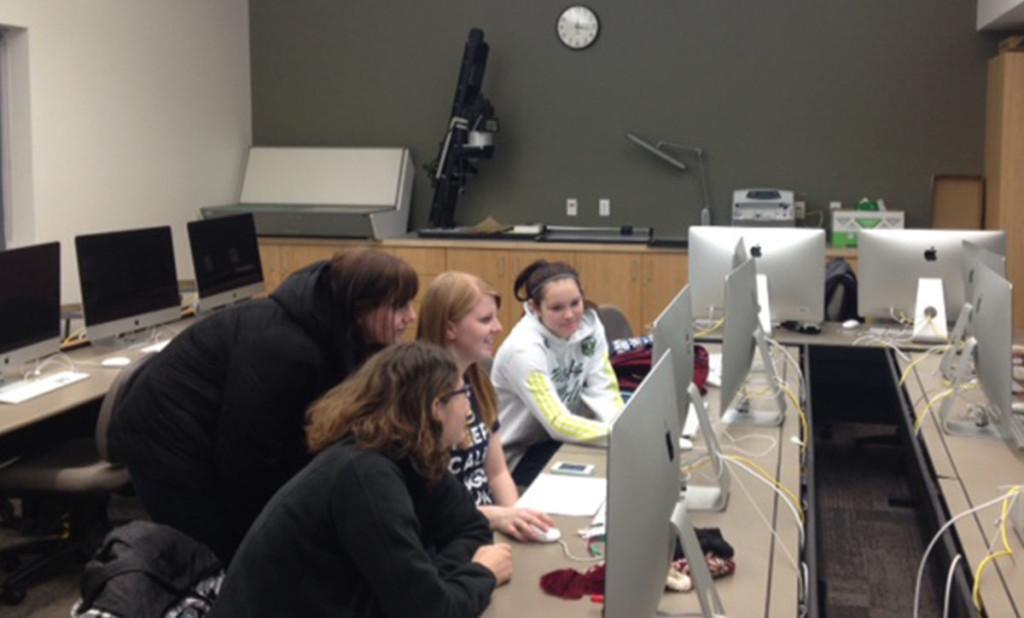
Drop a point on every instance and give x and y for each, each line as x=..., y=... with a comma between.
x=375, y=525
x=213, y=425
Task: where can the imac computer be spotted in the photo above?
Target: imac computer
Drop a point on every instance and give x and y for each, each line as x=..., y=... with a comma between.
x=991, y=348
x=128, y=281
x=644, y=516
x=973, y=256
x=673, y=332
x=792, y=260
x=226, y=260
x=30, y=324
x=29, y=304
x=742, y=337
x=917, y=275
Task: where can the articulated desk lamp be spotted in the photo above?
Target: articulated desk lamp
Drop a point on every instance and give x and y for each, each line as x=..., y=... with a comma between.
x=658, y=150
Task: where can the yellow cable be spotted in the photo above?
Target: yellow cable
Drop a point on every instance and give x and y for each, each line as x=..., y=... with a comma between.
x=976, y=593
x=713, y=328
x=75, y=335
x=910, y=367
x=771, y=479
x=696, y=465
x=924, y=413
x=805, y=426
x=1006, y=551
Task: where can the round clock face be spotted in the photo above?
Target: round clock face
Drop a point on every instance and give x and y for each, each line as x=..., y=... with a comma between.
x=577, y=27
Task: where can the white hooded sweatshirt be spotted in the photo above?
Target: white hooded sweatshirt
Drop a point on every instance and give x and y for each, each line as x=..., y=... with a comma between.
x=552, y=388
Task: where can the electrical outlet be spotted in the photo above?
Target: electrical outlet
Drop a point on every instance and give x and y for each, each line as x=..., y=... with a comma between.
x=604, y=207
x=571, y=206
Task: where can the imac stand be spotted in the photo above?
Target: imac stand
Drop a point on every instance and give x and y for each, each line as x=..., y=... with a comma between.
x=764, y=313
x=714, y=497
x=946, y=365
x=741, y=413
x=1017, y=514
x=710, y=603
x=929, y=312
x=983, y=426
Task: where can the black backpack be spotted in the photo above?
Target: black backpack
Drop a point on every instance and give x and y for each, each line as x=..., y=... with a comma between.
x=840, y=291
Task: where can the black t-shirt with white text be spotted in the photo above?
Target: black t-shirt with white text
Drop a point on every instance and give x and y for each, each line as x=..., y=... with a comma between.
x=468, y=458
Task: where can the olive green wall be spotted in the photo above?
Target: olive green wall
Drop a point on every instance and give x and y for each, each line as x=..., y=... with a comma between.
x=835, y=99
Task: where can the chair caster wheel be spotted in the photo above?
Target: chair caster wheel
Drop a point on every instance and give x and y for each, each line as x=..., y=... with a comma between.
x=12, y=596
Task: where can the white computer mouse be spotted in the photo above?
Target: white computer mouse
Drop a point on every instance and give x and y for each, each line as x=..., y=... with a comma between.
x=115, y=361
x=553, y=534
x=848, y=324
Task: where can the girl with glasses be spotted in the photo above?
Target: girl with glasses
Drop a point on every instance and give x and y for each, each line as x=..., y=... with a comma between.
x=374, y=525
x=460, y=312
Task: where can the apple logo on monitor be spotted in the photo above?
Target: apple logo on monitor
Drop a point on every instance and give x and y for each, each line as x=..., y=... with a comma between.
x=930, y=254
x=755, y=251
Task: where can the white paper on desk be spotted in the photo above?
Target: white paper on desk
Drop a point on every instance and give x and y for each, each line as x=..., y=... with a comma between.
x=715, y=370
x=561, y=494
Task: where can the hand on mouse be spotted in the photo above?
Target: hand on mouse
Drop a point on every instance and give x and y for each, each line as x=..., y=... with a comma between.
x=517, y=523
x=497, y=559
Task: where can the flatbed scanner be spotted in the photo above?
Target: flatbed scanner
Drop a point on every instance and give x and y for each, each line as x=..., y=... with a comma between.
x=325, y=191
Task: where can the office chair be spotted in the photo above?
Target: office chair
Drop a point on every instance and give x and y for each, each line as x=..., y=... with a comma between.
x=78, y=470
x=616, y=326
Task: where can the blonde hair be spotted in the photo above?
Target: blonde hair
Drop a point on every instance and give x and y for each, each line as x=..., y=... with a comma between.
x=387, y=405
x=449, y=298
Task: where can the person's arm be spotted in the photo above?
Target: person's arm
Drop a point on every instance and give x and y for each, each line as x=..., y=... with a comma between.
x=498, y=475
x=377, y=525
x=527, y=376
x=601, y=386
x=503, y=515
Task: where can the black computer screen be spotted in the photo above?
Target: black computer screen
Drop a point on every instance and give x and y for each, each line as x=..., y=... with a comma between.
x=225, y=253
x=29, y=295
x=125, y=274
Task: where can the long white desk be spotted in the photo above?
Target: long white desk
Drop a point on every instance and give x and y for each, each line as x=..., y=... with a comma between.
x=971, y=471
x=765, y=583
x=86, y=358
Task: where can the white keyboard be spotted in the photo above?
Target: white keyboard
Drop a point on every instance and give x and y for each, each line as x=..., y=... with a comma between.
x=24, y=390
x=156, y=347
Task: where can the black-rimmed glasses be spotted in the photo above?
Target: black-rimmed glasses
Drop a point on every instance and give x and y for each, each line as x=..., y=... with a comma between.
x=467, y=390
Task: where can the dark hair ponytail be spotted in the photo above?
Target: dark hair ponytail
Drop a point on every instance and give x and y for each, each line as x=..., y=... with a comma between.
x=529, y=285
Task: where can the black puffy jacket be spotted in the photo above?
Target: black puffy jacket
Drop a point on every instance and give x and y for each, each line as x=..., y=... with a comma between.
x=221, y=409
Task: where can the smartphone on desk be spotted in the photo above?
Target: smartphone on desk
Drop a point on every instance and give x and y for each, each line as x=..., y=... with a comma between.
x=574, y=469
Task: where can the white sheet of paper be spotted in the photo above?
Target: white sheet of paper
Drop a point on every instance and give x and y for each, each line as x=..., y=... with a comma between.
x=715, y=370
x=562, y=494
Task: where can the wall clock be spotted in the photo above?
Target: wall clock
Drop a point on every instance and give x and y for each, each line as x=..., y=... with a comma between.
x=577, y=27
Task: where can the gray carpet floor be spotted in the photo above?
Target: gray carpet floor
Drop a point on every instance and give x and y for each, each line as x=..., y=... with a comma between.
x=55, y=597
x=871, y=545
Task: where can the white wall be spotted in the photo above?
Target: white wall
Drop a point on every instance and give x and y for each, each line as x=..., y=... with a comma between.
x=127, y=113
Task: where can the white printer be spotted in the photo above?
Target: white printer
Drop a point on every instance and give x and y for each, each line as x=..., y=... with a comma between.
x=763, y=207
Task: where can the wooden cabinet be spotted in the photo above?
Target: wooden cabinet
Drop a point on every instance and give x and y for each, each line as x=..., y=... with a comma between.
x=665, y=274
x=614, y=279
x=1004, y=165
x=638, y=280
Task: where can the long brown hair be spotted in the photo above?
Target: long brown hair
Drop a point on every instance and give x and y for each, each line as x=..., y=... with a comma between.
x=448, y=299
x=387, y=406
x=362, y=280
